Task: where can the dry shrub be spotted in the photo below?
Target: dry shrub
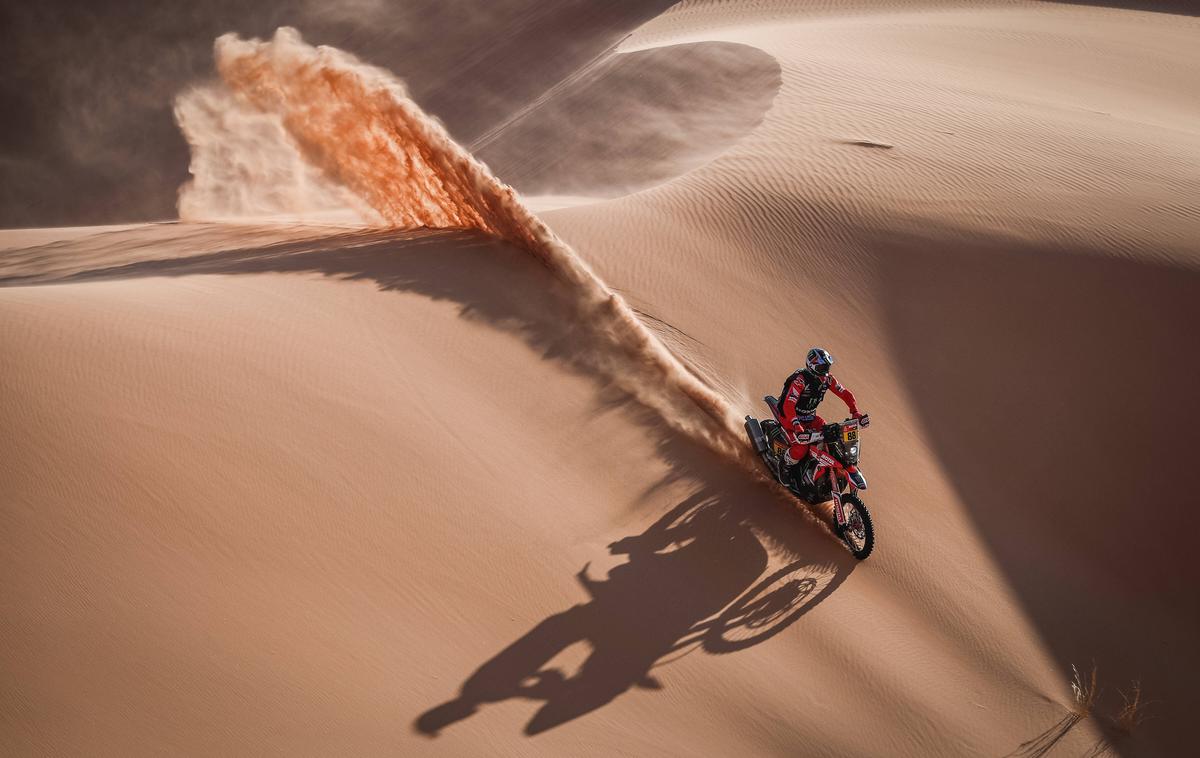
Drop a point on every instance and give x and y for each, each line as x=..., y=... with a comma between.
x=1086, y=691
x=1133, y=712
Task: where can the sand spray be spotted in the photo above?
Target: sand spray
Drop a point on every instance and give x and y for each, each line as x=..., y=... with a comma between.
x=357, y=127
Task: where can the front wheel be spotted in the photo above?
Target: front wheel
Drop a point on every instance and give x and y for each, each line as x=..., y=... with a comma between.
x=858, y=533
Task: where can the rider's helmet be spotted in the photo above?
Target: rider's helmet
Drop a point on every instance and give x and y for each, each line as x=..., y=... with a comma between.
x=818, y=361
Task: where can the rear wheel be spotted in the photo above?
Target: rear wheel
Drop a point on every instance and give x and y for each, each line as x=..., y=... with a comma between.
x=858, y=533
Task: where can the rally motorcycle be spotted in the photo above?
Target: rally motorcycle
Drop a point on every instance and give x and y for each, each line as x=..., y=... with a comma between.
x=830, y=472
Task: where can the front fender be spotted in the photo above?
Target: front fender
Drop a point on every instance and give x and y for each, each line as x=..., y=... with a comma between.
x=857, y=479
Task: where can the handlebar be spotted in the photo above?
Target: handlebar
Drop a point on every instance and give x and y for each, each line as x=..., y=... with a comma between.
x=819, y=435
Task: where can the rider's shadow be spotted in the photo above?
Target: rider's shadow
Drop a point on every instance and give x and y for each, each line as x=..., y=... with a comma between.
x=689, y=582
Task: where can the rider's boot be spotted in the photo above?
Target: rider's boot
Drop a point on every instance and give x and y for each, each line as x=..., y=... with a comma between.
x=791, y=471
x=787, y=464
x=807, y=473
x=802, y=475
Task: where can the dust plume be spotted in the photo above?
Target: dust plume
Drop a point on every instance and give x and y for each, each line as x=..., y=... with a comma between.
x=357, y=125
x=245, y=165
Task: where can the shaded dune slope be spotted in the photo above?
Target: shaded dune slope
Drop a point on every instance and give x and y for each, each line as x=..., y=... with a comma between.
x=999, y=315
x=634, y=120
x=120, y=159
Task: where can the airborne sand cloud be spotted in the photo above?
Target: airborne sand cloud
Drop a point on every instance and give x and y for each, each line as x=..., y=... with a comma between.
x=358, y=126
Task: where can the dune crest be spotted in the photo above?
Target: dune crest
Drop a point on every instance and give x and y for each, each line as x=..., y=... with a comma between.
x=358, y=126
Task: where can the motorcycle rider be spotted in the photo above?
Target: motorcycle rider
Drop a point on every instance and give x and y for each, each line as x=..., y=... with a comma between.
x=802, y=393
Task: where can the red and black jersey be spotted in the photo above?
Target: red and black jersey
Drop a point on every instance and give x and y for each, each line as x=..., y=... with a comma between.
x=803, y=392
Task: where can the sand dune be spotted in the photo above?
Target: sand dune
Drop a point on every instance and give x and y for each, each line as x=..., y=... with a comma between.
x=310, y=489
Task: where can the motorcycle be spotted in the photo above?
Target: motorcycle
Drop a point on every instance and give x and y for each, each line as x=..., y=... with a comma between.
x=829, y=473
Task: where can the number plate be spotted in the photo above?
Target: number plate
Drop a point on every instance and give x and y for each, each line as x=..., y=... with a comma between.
x=850, y=434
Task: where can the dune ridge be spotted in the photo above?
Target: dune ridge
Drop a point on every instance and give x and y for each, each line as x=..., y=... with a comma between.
x=358, y=126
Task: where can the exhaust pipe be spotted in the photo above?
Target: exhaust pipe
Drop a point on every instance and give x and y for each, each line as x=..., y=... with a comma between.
x=755, y=433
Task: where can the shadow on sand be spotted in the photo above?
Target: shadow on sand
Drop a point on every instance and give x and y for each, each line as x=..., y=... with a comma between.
x=693, y=580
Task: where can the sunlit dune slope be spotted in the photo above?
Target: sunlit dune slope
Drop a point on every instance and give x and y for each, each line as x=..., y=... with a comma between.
x=342, y=475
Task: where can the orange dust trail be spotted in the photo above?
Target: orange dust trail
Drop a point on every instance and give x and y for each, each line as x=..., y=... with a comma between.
x=358, y=126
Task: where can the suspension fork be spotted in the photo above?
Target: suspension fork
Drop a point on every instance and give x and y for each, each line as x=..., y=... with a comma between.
x=836, y=490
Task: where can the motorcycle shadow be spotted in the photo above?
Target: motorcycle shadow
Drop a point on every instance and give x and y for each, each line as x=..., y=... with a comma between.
x=699, y=579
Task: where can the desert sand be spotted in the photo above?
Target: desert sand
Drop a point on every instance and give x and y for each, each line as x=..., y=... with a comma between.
x=376, y=465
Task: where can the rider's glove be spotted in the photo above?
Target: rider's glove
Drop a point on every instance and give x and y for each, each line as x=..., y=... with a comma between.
x=863, y=419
